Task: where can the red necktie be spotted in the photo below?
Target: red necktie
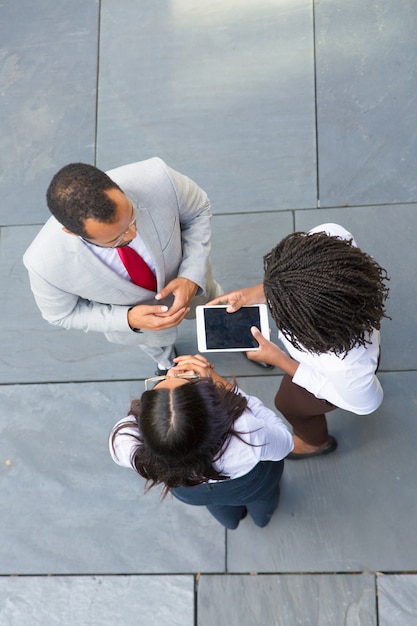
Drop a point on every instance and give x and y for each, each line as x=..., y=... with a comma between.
x=139, y=271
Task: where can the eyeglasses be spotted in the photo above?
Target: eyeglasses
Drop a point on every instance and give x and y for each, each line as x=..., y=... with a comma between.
x=131, y=224
x=151, y=382
x=119, y=240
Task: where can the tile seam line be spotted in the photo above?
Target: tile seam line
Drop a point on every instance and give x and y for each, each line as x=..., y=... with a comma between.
x=97, y=81
x=321, y=208
x=377, y=573
x=316, y=123
x=112, y=380
x=129, y=380
x=278, y=211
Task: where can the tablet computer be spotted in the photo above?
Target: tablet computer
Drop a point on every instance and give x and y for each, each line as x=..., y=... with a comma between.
x=219, y=331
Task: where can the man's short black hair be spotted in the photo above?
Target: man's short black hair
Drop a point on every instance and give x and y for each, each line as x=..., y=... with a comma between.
x=77, y=192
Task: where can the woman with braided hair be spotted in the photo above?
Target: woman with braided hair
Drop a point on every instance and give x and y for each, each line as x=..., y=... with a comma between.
x=327, y=299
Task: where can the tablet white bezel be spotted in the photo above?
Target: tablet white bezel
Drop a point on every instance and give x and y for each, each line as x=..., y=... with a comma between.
x=201, y=331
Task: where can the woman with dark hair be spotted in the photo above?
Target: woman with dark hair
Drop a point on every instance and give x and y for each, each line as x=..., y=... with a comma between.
x=206, y=441
x=327, y=298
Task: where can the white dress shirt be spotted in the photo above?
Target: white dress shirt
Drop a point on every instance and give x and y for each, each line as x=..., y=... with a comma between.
x=348, y=381
x=111, y=257
x=269, y=437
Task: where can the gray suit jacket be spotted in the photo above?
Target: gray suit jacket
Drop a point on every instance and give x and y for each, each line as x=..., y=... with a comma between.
x=73, y=288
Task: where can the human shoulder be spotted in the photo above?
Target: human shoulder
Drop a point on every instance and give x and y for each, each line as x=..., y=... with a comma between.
x=151, y=183
x=50, y=241
x=139, y=171
x=122, y=440
x=334, y=230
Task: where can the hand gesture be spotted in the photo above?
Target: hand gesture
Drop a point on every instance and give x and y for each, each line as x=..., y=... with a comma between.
x=270, y=353
x=197, y=364
x=183, y=291
x=152, y=317
x=241, y=297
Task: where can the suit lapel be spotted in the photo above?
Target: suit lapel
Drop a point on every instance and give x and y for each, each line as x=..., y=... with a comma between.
x=92, y=279
x=147, y=231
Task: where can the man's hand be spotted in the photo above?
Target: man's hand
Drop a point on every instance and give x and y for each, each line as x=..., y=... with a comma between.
x=183, y=291
x=241, y=297
x=151, y=317
x=268, y=352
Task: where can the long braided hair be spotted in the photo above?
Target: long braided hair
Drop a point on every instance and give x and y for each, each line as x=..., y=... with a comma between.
x=324, y=294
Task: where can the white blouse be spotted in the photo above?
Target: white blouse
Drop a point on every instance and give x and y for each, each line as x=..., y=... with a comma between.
x=270, y=438
x=348, y=381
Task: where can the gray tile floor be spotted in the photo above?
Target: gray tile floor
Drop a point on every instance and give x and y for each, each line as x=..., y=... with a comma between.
x=289, y=114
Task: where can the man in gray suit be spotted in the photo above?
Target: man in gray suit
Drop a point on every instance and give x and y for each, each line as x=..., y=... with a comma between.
x=78, y=275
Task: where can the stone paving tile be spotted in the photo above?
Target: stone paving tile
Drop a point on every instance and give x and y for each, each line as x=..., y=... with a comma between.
x=97, y=600
x=239, y=243
x=397, y=600
x=352, y=511
x=48, y=53
x=322, y=600
x=367, y=137
x=223, y=92
x=68, y=509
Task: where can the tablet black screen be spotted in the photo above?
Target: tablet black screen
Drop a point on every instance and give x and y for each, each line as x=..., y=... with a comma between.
x=230, y=330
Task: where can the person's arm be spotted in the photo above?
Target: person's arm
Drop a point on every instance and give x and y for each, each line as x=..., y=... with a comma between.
x=270, y=353
x=69, y=311
x=198, y=364
x=273, y=435
x=241, y=297
x=357, y=391
x=121, y=445
x=195, y=220
x=195, y=223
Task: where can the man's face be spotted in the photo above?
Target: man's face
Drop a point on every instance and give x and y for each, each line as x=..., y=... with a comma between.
x=120, y=232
